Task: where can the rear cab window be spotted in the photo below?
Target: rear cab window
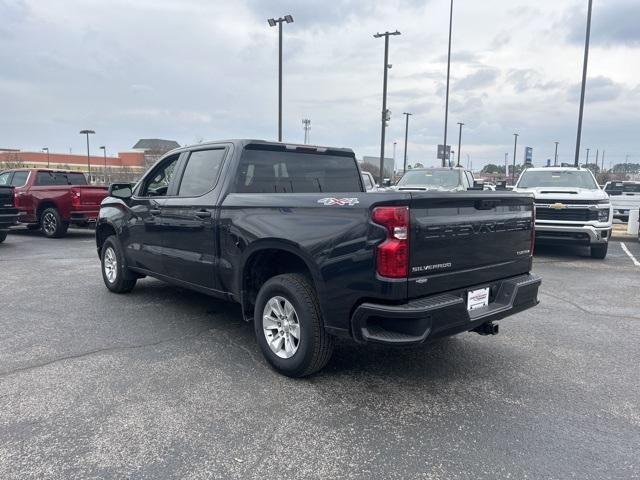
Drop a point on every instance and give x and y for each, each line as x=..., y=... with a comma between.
x=46, y=179
x=201, y=172
x=276, y=169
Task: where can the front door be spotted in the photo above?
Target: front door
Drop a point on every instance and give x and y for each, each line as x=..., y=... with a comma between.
x=143, y=244
x=189, y=220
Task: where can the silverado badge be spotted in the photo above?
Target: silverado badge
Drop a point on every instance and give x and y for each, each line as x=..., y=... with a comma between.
x=557, y=206
x=332, y=201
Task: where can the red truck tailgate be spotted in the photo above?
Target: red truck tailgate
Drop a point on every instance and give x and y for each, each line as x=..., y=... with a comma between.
x=90, y=197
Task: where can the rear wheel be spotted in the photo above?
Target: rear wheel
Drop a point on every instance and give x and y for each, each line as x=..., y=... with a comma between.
x=52, y=224
x=599, y=250
x=289, y=326
x=3, y=236
x=117, y=277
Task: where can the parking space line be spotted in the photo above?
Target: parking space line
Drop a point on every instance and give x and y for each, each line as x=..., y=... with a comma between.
x=633, y=259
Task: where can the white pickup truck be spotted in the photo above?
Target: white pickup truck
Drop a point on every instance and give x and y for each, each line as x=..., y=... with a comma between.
x=570, y=207
x=624, y=196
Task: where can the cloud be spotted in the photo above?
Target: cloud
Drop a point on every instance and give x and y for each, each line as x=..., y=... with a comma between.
x=526, y=79
x=598, y=89
x=613, y=22
x=479, y=79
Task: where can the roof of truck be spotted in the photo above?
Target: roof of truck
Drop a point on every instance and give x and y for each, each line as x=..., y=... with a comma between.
x=248, y=141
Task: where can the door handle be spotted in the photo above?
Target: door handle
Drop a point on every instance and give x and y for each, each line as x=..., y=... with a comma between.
x=155, y=211
x=203, y=214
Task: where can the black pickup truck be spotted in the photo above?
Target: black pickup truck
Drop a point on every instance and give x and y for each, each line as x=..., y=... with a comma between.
x=8, y=213
x=289, y=232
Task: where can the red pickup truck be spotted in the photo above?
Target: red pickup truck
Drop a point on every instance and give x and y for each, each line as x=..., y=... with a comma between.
x=51, y=200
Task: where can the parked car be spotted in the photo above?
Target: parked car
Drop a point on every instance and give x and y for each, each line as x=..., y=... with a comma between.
x=435, y=179
x=624, y=196
x=290, y=233
x=51, y=200
x=570, y=207
x=370, y=184
x=8, y=213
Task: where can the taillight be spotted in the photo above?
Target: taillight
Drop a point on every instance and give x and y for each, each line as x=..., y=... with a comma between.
x=75, y=198
x=533, y=228
x=393, y=254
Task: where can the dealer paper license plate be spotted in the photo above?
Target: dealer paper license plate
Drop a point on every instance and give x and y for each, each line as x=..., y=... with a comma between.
x=477, y=298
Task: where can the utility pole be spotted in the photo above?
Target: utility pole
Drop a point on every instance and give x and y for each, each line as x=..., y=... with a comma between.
x=555, y=162
x=385, y=112
x=272, y=23
x=306, y=125
x=602, y=162
x=406, y=135
x=515, y=145
x=584, y=81
x=597, y=155
x=446, y=104
x=459, y=141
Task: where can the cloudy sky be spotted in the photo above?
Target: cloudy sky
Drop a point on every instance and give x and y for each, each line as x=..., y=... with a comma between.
x=194, y=70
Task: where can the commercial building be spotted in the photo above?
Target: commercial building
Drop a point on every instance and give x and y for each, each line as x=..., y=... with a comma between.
x=125, y=166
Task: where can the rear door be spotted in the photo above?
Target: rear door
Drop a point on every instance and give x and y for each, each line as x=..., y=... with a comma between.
x=189, y=239
x=463, y=239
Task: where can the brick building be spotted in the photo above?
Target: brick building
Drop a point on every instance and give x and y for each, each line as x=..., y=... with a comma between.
x=126, y=166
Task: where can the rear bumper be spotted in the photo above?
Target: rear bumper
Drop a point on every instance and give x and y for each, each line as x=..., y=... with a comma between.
x=83, y=217
x=8, y=218
x=578, y=234
x=442, y=315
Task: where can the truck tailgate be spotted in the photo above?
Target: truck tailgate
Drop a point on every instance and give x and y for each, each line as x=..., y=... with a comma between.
x=463, y=239
x=90, y=196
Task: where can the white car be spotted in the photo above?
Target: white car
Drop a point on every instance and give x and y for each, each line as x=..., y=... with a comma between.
x=624, y=196
x=570, y=207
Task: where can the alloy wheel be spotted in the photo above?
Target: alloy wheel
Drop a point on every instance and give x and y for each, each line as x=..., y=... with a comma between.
x=281, y=327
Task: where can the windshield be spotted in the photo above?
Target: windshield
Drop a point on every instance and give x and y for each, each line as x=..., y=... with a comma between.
x=430, y=179
x=559, y=179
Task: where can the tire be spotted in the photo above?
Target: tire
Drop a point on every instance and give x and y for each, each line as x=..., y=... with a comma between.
x=599, y=250
x=52, y=224
x=3, y=236
x=115, y=274
x=312, y=349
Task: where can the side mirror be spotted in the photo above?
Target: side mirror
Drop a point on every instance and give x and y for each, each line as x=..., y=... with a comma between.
x=123, y=191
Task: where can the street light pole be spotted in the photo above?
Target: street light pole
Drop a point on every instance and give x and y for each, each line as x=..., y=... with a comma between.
x=272, y=23
x=446, y=104
x=555, y=161
x=87, y=133
x=459, y=141
x=515, y=145
x=587, y=162
x=385, y=114
x=406, y=135
x=584, y=82
x=104, y=152
x=46, y=149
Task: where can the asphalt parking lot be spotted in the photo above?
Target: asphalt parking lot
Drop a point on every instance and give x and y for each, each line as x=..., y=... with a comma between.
x=166, y=383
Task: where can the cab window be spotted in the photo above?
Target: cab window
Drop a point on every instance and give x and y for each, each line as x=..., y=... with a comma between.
x=19, y=178
x=201, y=173
x=157, y=183
x=4, y=178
